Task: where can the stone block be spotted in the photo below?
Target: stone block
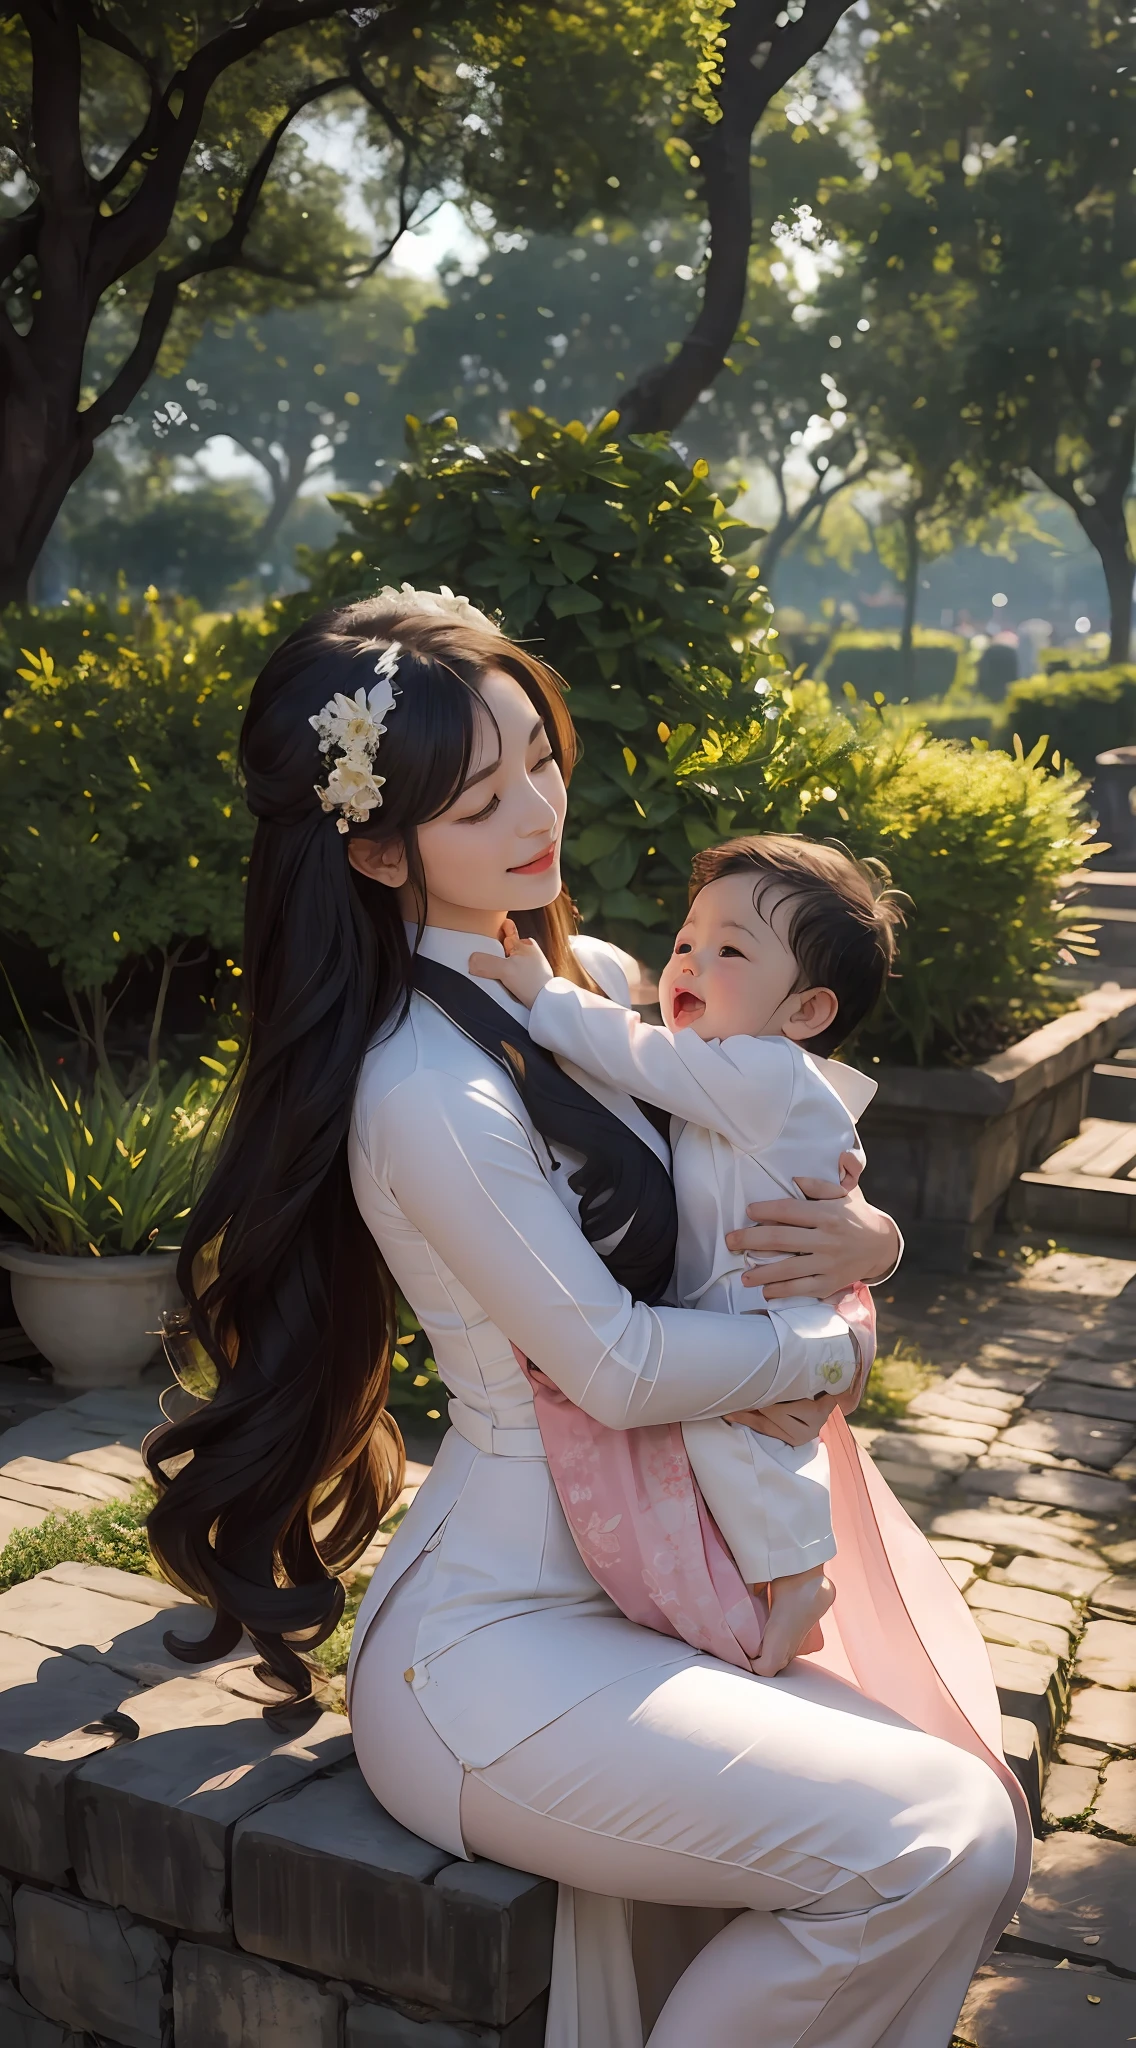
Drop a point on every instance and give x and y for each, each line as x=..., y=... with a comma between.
x=948, y=1429
x=1111, y=1403
x=1029, y=1688
x=47, y=1500
x=1051, y=1575
x=118, y=1461
x=918, y=1481
x=957, y=1408
x=1117, y=1598
x=65, y=1478
x=978, y=1554
x=1107, y=1655
x=1085, y=1367
x=227, y=2000
x=14, y=1515
x=91, y=1968
x=1004, y=1530
x=1104, y=1718
x=999, y=1369
x=983, y=1390
x=960, y=1570
x=149, y=1822
x=500, y=1924
x=1069, y=1789
x=1021, y=1747
x=1040, y=1638
x=1081, y=1886
x=1088, y=1439
x=50, y=1706
x=1121, y=1555
x=380, y=2026
x=939, y=1454
x=21, y=2026
x=1025, y=1602
x=1018, y=2001
x=1115, y=1808
x=325, y=1879
x=1059, y=1489
x=116, y=1634
x=118, y=1585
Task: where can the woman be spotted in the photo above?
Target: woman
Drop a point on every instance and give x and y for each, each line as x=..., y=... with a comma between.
x=501, y=1706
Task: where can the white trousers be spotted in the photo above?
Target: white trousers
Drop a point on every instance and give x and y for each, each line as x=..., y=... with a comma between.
x=861, y=1860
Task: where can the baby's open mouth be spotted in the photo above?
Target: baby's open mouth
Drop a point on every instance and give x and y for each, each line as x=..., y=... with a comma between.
x=686, y=1006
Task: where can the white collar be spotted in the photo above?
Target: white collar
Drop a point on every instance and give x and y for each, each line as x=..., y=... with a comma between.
x=452, y=949
x=854, y=1088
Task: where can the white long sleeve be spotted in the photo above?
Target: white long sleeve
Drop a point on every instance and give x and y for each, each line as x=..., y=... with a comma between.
x=462, y=1171
x=742, y=1088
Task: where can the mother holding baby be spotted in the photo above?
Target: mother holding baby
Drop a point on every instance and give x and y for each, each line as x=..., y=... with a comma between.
x=820, y=1857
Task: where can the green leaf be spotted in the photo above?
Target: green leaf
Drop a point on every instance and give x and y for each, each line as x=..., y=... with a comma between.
x=569, y=602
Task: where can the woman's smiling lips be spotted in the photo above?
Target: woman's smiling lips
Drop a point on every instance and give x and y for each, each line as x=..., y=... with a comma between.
x=540, y=865
x=686, y=1006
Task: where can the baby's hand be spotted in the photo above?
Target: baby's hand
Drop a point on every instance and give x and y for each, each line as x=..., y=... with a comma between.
x=523, y=972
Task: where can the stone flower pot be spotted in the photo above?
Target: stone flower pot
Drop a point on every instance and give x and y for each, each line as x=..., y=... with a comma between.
x=96, y=1321
x=946, y=1145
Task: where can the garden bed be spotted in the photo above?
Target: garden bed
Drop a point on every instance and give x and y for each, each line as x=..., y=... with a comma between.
x=946, y=1144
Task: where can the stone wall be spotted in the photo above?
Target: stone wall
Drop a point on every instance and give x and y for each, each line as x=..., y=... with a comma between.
x=177, y=1874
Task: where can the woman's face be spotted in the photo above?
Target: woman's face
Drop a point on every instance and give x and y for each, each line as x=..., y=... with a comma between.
x=496, y=849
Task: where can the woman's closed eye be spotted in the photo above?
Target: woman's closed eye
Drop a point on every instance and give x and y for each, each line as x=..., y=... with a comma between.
x=486, y=811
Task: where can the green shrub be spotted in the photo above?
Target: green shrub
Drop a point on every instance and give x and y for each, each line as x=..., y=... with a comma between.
x=87, y=1168
x=871, y=661
x=962, y=717
x=114, y=1533
x=1080, y=712
x=614, y=561
x=981, y=842
x=123, y=834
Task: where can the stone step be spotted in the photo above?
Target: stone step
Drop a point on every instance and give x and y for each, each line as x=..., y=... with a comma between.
x=170, y=1880
x=1081, y=1900
x=1112, y=1092
x=1087, y=1185
x=1019, y=2001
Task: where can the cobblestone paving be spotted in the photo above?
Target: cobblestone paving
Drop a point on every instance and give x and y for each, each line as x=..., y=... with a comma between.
x=1019, y=1462
x=1019, y=1465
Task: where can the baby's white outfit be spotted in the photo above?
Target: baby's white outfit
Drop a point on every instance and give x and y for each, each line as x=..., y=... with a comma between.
x=748, y=1116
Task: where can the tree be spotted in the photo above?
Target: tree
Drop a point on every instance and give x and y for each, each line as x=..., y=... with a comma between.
x=306, y=393
x=763, y=45
x=152, y=158
x=1003, y=209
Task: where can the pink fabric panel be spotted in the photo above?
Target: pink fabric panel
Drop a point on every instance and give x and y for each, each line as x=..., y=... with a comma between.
x=643, y=1528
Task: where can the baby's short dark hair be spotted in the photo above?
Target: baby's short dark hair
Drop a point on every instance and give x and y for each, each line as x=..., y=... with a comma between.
x=842, y=919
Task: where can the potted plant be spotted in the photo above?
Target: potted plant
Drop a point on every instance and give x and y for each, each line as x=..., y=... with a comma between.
x=122, y=839
x=98, y=1181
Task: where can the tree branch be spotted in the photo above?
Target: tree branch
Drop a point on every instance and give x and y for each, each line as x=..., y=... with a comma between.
x=758, y=59
x=225, y=251
x=57, y=78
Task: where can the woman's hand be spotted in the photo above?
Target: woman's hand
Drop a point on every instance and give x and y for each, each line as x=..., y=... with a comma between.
x=830, y=1242
x=793, y=1422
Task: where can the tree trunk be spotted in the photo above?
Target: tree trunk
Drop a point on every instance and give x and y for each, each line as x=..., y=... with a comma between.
x=762, y=51
x=1119, y=570
x=910, y=599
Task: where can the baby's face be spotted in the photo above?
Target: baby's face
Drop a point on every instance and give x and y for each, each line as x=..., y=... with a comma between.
x=731, y=973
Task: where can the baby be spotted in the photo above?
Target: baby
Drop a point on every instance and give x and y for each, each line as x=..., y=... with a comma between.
x=785, y=950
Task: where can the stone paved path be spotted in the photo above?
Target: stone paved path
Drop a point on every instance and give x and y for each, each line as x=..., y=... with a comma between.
x=1019, y=1462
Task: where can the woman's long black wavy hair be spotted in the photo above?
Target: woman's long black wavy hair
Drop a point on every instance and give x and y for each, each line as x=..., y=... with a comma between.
x=279, y=1482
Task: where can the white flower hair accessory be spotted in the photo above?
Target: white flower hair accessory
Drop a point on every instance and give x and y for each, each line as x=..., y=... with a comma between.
x=442, y=603
x=355, y=725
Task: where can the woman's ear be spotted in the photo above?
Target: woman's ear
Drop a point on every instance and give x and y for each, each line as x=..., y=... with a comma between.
x=811, y=1011
x=383, y=860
